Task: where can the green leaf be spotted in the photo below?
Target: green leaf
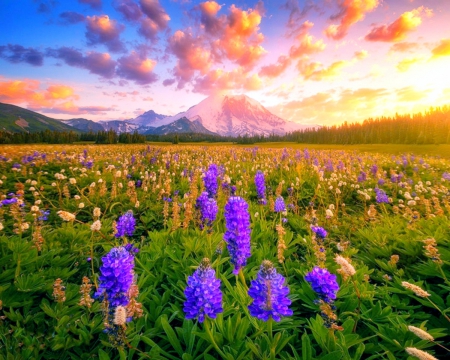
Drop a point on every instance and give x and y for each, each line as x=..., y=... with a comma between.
x=173, y=339
x=306, y=347
x=103, y=355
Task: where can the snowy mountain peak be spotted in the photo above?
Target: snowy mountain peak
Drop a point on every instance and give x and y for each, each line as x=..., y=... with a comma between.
x=229, y=115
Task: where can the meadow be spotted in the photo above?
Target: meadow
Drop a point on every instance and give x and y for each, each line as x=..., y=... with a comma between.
x=200, y=251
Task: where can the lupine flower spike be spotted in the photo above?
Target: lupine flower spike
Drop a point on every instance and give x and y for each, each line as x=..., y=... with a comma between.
x=269, y=294
x=237, y=235
x=203, y=294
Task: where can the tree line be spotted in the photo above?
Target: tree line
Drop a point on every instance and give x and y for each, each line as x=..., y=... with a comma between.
x=429, y=127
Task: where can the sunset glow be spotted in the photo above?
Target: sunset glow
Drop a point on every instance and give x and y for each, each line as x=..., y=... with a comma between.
x=313, y=62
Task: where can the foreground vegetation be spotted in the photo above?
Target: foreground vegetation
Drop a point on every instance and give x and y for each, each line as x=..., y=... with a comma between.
x=378, y=224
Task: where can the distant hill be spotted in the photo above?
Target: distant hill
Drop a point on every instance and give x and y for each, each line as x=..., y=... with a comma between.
x=16, y=119
x=84, y=125
x=180, y=126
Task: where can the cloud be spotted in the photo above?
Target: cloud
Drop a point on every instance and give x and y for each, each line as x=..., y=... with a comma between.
x=71, y=17
x=30, y=92
x=102, y=30
x=220, y=80
x=306, y=44
x=362, y=54
x=46, y=6
x=443, y=49
x=70, y=108
x=404, y=47
x=169, y=82
x=296, y=14
x=97, y=63
x=129, y=9
x=276, y=69
x=409, y=94
x=350, y=12
x=208, y=17
x=405, y=64
x=137, y=68
x=192, y=56
x=94, y=4
x=157, y=18
x=17, y=54
x=399, y=29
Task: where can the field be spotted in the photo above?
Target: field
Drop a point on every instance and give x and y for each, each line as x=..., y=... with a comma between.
x=203, y=251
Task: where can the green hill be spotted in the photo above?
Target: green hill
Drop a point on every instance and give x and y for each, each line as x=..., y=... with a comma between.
x=16, y=119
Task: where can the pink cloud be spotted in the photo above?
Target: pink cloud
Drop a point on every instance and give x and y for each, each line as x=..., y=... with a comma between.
x=137, y=68
x=102, y=30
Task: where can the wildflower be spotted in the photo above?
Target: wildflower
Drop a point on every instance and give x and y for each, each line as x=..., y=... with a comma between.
x=431, y=250
x=96, y=226
x=394, y=260
x=416, y=289
x=319, y=231
x=421, y=355
x=66, y=216
x=208, y=209
x=237, y=235
x=85, y=290
x=125, y=225
x=323, y=283
x=279, y=205
x=97, y=212
x=203, y=295
x=269, y=294
x=210, y=180
x=422, y=334
x=120, y=316
x=59, y=291
x=381, y=196
x=1, y=226
x=346, y=269
x=116, y=277
x=260, y=187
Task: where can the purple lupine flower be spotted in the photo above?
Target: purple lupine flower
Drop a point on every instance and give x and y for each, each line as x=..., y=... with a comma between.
x=323, y=283
x=210, y=180
x=203, y=295
x=319, y=231
x=269, y=294
x=260, y=187
x=116, y=276
x=381, y=196
x=125, y=225
x=362, y=176
x=381, y=182
x=237, y=235
x=280, y=206
x=44, y=215
x=374, y=169
x=208, y=209
x=446, y=176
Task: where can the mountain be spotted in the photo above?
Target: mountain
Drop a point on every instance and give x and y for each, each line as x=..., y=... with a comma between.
x=230, y=115
x=119, y=126
x=147, y=119
x=84, y=125
x=16, y=119
x=179, y=126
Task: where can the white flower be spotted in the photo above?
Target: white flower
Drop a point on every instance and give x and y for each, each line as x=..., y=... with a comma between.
x=96, y=226
x=1, y=226
x=97, y=212
x=73, y=181
x=81, y=205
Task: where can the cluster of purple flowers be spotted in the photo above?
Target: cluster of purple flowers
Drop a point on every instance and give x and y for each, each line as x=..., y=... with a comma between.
x=323, y=283
x=381, y=196
x=362, y=176
x=210, y=180
x=280, y=206
x=319, y=231
x=208, y=209
x=125, y=225
x=44, y=215
x=446, y=176
x=260, y=187
x=269, y=294
x=116, y=275
x=203, y=295
x=237, y=234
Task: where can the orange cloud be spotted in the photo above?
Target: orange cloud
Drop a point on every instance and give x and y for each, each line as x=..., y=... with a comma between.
x=443, y=49
x=138, y=68
x=102, y=30
x=29, y=93
x=276, y=69
x=210, y=8
x=404, y=47
x=405, y=64
x=360, y=55
x=398, y=30
x=351, y=11
x=307, y=46
x=241, y=39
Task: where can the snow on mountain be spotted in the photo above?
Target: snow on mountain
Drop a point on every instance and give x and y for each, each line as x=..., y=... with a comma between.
x=230, y=115
x=147, y=119
x=119, y=126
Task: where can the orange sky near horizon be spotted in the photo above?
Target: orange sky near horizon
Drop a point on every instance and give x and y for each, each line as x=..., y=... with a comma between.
x=313, y=62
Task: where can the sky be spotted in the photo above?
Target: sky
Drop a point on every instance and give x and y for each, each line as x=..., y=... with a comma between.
x=313, y=62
